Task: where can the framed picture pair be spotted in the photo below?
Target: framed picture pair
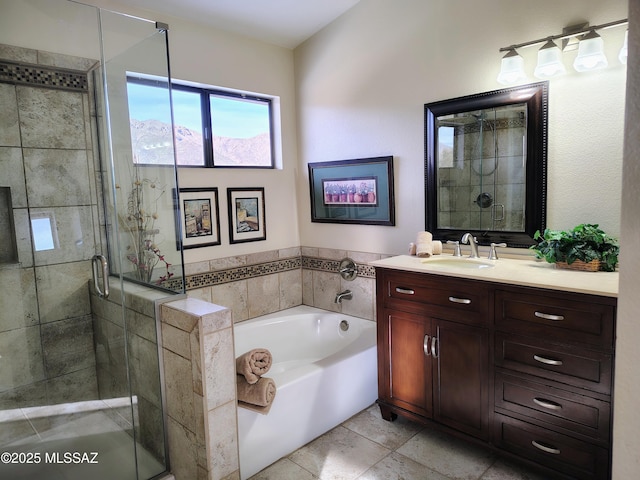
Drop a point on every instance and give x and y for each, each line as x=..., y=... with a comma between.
x=198, y=211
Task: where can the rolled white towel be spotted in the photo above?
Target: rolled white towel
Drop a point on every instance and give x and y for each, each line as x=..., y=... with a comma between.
x=424, y=244
x=436, y=246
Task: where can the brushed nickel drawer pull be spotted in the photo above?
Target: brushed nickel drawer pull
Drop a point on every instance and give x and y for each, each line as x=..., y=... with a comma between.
x=405, y=291
x=545, y=448
x=434, y=347
x=547, y=404
x=549, y=316
x=547, y=361
x=425, y=345
x=464, y=301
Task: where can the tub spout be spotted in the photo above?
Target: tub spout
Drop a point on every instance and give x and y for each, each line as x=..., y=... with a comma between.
x=347, y=294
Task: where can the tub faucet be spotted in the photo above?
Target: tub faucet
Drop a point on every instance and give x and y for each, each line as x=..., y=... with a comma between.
x=347, y=294
x=473, y=243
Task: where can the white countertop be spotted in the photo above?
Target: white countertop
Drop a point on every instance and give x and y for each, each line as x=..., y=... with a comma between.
x=525, y=272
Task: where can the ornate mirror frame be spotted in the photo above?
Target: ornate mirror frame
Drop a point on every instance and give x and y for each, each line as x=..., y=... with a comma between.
x=535, y=97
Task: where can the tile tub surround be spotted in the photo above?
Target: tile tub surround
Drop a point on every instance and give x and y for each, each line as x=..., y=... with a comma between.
x=199, y=370
x=266, y=282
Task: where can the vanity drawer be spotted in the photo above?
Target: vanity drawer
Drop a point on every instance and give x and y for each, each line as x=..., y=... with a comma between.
x=577, y=458
x=562, y=363
x=570, y=318
x=414, y=292
x=569, y=411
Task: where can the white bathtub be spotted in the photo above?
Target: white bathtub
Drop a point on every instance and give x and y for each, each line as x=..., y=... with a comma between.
x=323, y=376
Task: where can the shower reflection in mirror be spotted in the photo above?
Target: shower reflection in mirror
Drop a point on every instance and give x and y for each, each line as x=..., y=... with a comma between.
x=481, y=169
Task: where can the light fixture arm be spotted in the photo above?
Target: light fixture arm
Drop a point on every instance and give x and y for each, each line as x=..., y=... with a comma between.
x=563, y=36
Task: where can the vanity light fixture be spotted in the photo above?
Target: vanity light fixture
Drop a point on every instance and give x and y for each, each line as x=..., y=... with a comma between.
x=512, y=68
x=549, y=61
x=590, y=53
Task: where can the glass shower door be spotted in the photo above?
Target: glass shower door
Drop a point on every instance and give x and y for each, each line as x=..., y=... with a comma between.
x=53, y=422
x=80, y=392
x=141, y=221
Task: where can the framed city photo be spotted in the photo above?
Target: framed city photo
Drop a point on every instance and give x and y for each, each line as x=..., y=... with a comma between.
x=246, y=214
x=199, y=217
x=353, y=191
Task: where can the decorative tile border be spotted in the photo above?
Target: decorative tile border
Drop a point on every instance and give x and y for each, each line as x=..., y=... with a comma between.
x=326, y=265
x=244, y=272
x=218, y=277
x=41, y=76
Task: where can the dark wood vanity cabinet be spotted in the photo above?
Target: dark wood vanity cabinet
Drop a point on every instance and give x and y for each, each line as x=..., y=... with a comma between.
x=528, y=371
x=433, y=351
x=553, y=371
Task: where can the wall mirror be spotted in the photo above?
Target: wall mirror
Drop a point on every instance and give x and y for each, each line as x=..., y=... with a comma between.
x=485, y=165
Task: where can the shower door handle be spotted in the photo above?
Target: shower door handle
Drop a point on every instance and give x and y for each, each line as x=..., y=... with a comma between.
x=100, y=267
x=493, y=212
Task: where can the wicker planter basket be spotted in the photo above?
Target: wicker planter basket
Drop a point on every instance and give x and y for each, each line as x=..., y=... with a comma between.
x=592, y=266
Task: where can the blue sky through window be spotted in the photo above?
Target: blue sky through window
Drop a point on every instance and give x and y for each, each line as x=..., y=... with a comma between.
x=232, y=117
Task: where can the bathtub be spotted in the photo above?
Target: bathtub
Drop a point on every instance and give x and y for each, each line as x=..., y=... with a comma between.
x=323, y=376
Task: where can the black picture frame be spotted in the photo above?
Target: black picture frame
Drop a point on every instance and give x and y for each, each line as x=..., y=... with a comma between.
x=198, y=215
x=247, y=221
x=356, y=191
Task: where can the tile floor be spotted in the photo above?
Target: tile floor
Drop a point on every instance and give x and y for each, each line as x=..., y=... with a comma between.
x=366, y=447
x=85, y=427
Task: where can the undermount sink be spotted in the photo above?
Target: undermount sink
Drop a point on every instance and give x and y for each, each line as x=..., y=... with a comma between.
x=458, y=262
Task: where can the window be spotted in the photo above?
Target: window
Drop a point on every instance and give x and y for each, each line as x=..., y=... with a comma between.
x=212, y=128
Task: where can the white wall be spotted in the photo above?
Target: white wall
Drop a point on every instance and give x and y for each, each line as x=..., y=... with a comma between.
x=362, y=83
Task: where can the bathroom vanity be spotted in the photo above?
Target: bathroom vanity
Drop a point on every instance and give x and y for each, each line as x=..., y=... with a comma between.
x=515, y=354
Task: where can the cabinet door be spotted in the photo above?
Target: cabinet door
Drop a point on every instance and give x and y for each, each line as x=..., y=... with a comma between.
x=405, y=376
x=461, y=374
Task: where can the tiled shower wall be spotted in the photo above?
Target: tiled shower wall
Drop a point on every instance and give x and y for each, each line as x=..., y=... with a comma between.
x=47, y=171
x=266, y=282
x=484, y=158
x=142, y=377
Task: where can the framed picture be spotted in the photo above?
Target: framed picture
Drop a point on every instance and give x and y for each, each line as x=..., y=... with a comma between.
x=246, y=214
x=353, y=191
x=199, y=217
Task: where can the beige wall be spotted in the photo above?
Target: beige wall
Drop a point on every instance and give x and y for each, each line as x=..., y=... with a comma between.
x=362, y=83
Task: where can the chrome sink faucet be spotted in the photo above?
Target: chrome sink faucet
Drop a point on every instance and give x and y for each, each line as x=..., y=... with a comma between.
x=467, y=238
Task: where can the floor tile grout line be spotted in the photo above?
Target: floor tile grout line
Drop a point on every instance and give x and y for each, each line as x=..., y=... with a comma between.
x=288, y=457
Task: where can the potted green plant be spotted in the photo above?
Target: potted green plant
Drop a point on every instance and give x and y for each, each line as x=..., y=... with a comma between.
x=585, y=247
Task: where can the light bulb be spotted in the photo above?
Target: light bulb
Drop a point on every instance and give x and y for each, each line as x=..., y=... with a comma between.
x=549, y=61
x=511, y=68
x=590, y=53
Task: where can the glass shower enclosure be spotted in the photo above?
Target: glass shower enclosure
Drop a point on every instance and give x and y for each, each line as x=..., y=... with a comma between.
x=80, y=370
